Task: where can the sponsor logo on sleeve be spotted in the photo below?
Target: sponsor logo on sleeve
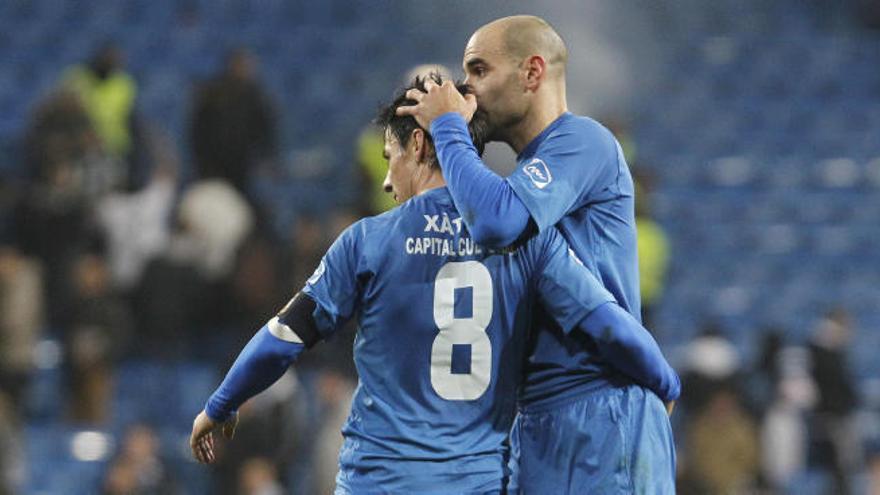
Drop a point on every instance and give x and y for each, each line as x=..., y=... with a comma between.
x=538, y=173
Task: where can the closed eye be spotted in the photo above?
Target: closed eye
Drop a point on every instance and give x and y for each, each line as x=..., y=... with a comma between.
x=476, y=67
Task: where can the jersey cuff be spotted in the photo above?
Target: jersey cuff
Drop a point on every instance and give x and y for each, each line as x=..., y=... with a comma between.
x=449, y=119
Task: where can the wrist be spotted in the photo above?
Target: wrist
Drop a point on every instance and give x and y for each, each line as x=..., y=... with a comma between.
x=448, y=118
x=215, y=412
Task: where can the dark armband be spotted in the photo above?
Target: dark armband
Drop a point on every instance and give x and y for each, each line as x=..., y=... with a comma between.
x=296, y=323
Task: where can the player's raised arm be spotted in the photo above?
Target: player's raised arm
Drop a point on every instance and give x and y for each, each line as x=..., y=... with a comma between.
x=327, y=301
x=494, y=215
x=577, y=158
x=579, y=302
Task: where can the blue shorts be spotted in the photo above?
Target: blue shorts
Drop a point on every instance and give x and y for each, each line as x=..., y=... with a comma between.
x=615, y=440
x=365, y=473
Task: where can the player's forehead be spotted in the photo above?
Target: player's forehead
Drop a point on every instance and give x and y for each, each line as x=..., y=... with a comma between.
x=485, y=45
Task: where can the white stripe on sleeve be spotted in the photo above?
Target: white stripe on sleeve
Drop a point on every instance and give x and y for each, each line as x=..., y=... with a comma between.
x=282, y=331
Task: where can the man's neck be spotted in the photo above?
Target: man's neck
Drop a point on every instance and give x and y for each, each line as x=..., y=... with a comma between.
x=432, y=181
x=541, y=115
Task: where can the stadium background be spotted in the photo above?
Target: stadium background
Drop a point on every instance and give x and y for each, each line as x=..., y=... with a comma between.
x=132, y=269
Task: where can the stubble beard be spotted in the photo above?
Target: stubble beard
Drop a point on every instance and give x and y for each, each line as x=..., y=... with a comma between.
x=499, y=129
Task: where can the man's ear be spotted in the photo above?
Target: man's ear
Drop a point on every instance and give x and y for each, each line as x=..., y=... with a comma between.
x=535, y=68
x=417, y=141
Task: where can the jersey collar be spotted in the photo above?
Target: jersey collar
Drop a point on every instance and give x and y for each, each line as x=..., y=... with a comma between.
x=439, y=194
x=529, y=150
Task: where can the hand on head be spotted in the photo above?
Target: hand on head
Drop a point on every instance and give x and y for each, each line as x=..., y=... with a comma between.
x=436, y=100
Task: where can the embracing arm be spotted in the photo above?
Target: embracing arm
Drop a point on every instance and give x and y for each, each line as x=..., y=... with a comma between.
x=579, y=302
x=628, y=347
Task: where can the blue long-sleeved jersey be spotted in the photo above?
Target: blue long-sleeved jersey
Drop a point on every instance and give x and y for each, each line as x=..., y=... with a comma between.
x=572, y=176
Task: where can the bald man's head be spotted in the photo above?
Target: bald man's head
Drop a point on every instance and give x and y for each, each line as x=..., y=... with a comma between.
x=522, y=36
x=515, y=66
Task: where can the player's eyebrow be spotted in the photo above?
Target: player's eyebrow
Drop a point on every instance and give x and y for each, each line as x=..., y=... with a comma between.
x=470, y=64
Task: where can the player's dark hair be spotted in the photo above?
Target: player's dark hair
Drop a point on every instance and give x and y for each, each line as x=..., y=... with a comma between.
x=402, y=126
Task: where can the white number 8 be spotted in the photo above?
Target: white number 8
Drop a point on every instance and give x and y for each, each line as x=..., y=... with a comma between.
x=462, y=331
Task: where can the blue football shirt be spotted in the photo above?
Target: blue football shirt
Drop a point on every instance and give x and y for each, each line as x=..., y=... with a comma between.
x=573, y=177
x=440, y=343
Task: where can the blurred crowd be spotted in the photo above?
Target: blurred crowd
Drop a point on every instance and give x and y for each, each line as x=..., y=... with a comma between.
x=111, y=248
x=793, y=414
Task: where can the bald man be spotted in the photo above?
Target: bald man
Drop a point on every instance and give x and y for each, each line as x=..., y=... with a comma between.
x=587, y=422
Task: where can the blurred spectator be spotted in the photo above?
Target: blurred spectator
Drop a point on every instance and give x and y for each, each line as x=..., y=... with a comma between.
x=181, y=291
x=61, y=138
x=55, y=207
x=107, y=93
x=836, y=444
x=653, y=251
x=171, y=301
x=874, y=471
x=136, y=225
x=767, y=372
x=138, y=469
x=256, y=291
x=784, y=433
x=258, y=476
x=21, y=320
x=310, y=241
x=68, y=172
x=335, y=392
x=722, y=447
x=308, y=245
x=710, y=361
x=233, y=125
x=96, y=335
x=272, y=428
x=621, y=130
x=12, y=468
x=868, y=13
x=370, y=149
x=215, y=219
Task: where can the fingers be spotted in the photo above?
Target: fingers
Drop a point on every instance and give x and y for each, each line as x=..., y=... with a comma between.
x=194, y=440
x=201, y=441
x=229, y=427
x=403, y=111
x=415, y=94
x=207, y=448
x=435, y=101
x=202, y=448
